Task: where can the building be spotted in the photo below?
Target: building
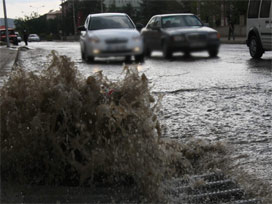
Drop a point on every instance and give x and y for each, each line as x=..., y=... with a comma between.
x=122, y=3
x=51, y=15
x=10, y=22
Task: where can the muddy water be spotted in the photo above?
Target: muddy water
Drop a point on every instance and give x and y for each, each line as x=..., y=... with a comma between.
x=224, y=99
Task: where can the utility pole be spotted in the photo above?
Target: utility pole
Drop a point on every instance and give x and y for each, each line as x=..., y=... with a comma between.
x=6, y=22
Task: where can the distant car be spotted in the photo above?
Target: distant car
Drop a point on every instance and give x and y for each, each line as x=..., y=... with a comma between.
x=110, y=34
x=11, y=34
x=171, y=33
x=259, y=27
x=18, y=37
x=33, y=38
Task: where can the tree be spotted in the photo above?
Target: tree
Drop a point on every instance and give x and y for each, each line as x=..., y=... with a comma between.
x=33, y=23
x=39, y=25
x=130, y=10
x=150, y=8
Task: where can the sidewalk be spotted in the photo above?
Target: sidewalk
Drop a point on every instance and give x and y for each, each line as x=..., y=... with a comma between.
x=8, y=56
x=238, y=40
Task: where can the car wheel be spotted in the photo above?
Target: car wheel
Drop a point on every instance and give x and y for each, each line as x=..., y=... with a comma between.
x=255, y=48
x=187, y=54
x=82, y=55
x=89, y=59
x=139, y=58
x=213, y=52
x=85, y=57
x=128, y=58
x=147, y=52
x=15, y=42
x=167, y=52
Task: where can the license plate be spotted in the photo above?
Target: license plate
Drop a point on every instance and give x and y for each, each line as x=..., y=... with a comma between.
x=197, y=44
x=116, y=47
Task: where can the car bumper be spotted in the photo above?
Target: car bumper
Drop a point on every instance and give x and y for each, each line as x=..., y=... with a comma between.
x=103, y=50
x=195, y=46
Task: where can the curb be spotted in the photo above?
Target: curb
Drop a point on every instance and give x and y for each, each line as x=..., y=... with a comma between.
x=16, y=59
x=15, y=64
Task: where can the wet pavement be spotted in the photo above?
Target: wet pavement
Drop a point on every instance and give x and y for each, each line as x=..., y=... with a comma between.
x=226, y=99
x=7, y=57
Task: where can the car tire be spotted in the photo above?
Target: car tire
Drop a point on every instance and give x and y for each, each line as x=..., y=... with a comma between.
x=167, y=52
x=82, y=55
x=139, y=58
x=128, y=58
x=187, y=54
x=255, y=47
x=147, y=52
x=213, y=52
x=15, y=42
x=85, y=57
x=89, y=59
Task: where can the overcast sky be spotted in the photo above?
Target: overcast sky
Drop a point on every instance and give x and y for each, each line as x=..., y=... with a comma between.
x=20, y=8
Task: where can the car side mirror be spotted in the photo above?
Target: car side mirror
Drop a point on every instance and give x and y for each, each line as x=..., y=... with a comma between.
x=206, y=24
x=157, y=28
x=81, y=28
x=139, y=26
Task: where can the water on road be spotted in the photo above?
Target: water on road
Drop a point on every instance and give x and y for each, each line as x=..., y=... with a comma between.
x=227, y=99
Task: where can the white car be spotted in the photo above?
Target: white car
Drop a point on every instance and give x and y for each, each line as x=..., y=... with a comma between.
x=259, y=27
x=33, y=38
x=19, y=38
x=110, y=34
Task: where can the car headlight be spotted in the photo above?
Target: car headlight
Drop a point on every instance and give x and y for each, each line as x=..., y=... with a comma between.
x=178, y=38
x=94, y=40
x=214, y=35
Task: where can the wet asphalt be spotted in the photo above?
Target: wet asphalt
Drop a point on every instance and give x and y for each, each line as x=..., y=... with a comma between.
x=228, y=98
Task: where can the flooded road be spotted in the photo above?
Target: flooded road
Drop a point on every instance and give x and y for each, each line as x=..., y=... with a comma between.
x=226, y=99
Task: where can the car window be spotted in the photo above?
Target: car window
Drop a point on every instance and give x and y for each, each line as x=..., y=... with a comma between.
x=151, y=23
x=253, y=9
x=157, y=22
x=265, y=9
x=86, y=22
x=110, y=22
x=180, y=21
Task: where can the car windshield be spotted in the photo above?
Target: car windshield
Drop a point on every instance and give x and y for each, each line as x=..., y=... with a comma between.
x=180, y=21
x=110, y=22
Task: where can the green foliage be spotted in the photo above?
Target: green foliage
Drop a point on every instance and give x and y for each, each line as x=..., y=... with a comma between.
x=38, y=24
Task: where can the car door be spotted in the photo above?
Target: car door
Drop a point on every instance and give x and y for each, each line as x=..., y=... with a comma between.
x=147, y=34
x=156, y=34
x=265, y=23
x=83, y=34
x=252, y=18
x=151, y=34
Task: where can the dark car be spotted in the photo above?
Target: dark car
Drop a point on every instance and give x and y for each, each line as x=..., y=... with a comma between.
x=179, y=33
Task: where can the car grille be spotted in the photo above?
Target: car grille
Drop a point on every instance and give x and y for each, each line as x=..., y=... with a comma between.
x=116, y=40
x=116, y=51
x=196, y=37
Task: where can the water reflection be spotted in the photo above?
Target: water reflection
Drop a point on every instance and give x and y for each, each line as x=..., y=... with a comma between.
x=260, y=64
x=96, y=69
